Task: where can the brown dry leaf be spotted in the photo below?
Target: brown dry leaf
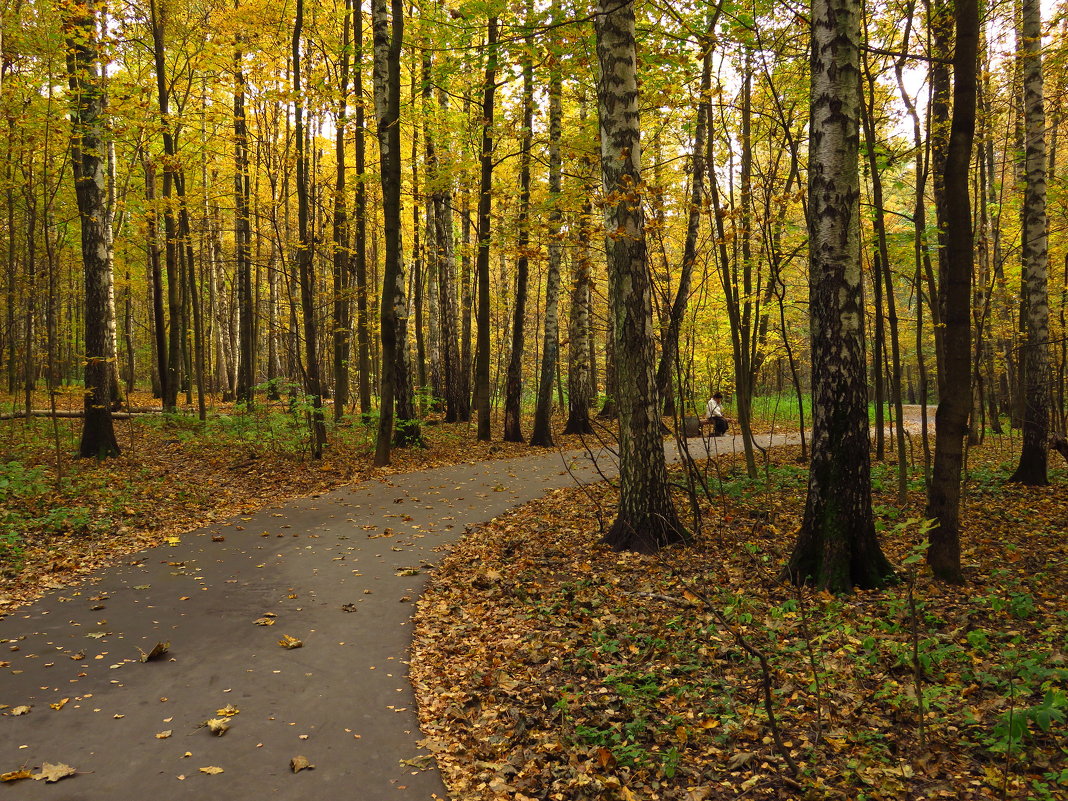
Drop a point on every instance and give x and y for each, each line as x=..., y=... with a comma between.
x=211, y=770
x=264, y=621
x=218, y=726
x=21, y=710
x=53, y=773
x=163, y=735
x=290, y=642
x=299, y=763
x=227, y=711
x=158, y=650
x=15, y=775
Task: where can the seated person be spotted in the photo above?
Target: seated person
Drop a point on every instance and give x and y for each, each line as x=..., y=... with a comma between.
x=714, y=415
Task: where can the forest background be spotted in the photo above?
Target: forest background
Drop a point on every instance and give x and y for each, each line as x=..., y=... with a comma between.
x=324, y=251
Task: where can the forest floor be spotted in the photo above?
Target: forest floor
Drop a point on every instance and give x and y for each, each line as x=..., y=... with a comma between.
x=549, y=667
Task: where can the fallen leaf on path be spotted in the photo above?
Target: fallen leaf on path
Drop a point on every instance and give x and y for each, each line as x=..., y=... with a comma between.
x=158, y=650
x=15, y=775
x=53, y=773
x=227, y=711
x=163, y=735
x=299, y=763
x=211, y=770
x=21, y=710
x=60, y=704
x=290, y=642
x=264, y=621
x=218, y=726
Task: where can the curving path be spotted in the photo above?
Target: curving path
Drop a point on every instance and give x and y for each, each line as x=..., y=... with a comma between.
x=339, y=571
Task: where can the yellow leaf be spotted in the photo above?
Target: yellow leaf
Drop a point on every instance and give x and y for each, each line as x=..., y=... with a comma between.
x=227, y=711
x=60, y=704
x=299, y=763
x=53, y=773
x=218, y=726
x=211, y=770
x=163, y=735
x=15, y=775
x=290, y=642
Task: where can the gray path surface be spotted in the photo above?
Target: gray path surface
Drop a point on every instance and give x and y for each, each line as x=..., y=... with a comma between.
x=342, y=700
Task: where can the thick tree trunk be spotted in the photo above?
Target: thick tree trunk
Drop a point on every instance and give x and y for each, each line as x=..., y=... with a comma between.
x=88, y=158
x=646, y=519
x=1035, y=296
x=837, y=548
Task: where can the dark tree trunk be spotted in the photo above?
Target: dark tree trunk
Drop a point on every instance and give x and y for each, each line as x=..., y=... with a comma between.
x=513, y=393
x=482, y=260
x=836, y=547
x=646, y=520
x=542, y=433
x=246, y=359
x=579, y=384
x=395, y=396
x=305, y=275
x=88, y=157
x=363, y=338
x=955, y=286
x=342, y=328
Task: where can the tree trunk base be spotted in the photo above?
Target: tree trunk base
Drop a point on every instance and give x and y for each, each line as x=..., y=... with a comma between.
x=408, y=434
x=647, y=535
x=580, y=424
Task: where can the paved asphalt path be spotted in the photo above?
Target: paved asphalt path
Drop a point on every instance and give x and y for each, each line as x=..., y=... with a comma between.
x=339, y=571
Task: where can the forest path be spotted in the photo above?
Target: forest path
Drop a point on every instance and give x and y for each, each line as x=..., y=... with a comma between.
x=339, y=571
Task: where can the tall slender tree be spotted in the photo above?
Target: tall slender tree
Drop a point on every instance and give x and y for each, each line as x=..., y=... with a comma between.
x=542, y=434
x=646, y=519
x=388, y=26
x=482, y=259
x=305, y=256
x=1035, y=296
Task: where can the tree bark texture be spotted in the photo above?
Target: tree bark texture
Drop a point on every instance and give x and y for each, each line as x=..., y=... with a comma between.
x=956, y=264
x=396, y=387
x=305, y=256
x=542, y=433
x=1032, y=468
x=836, y=547
x=88, y=157
x=646, y=519
x=580, y=395
x=513, y=391
x=482, y=259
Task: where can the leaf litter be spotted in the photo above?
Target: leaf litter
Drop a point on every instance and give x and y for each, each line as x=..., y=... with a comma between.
x=547, y=666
